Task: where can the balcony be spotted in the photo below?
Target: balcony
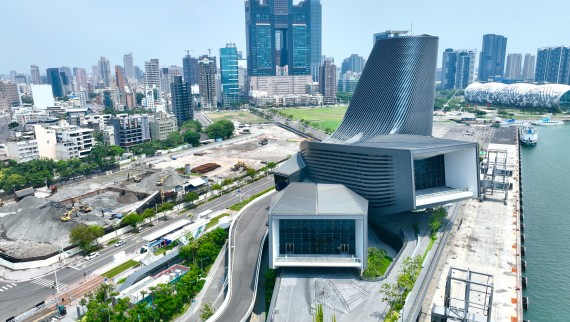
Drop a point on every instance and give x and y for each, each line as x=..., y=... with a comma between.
x=441, y=195
x=295, y=260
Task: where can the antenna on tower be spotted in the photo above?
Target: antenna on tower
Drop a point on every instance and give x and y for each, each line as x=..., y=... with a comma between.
x=411, y=28
x=210, y=52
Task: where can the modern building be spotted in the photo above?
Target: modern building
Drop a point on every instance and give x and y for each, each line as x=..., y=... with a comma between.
x=348, y=82
x=553, y=65
x=9, y=95
x=457, y=68
x=54, y=79
x=64, y=142
x=354, y=64
x=528, y=67
x=42, y=96
x=162, y=125
x=23, y=151
x=152, y=80
x=229, y=75
x=519, y=95
x=387, y=34
x=35, y=72
x=105, y=71
x=182, y=103
x=130, y=130
x=207, y=82
x=327, y=82
x=128, y=65
x=282, y=38
x=81, y=80
x=318, y=225
x=280, y=85
x=514, y=65
x=126, y=95
x=492, y=57
x=190, y=69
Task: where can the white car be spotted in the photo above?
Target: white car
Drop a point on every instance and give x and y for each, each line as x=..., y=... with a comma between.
x=91, y=256
x=120, y=243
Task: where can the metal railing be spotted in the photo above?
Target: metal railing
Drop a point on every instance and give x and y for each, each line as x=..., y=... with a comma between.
x=317, y=259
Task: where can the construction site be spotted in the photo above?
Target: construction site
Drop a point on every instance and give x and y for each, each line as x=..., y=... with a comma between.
x=39, y=224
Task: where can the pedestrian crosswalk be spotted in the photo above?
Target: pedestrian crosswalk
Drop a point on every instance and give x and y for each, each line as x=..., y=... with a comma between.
x=7, y=287
x=48, y=283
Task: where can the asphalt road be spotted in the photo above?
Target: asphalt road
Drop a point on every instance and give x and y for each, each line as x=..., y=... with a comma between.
x=18, y=297
x=247, y=234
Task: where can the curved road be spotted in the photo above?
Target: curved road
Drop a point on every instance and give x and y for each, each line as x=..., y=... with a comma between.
x=247, y=234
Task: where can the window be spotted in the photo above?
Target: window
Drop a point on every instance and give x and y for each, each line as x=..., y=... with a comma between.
x=317, y=236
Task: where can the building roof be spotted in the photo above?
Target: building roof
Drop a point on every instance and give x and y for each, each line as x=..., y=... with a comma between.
x=294, y=164
x=25, y=192
x=196, y=182
x=145, y=271
x=409, y=142
x=302, y=198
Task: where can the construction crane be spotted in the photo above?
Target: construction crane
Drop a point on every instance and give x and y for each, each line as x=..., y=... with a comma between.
x=209, y=52
x=188, y=52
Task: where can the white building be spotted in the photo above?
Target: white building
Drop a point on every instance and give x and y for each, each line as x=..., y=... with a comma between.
x=280, y=85
x=23, y=151
x=43, y=96
x=162, y=125
x=64, y=142
x=46, y=142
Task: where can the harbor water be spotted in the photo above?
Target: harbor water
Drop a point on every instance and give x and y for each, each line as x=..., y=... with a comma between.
x=546, y=209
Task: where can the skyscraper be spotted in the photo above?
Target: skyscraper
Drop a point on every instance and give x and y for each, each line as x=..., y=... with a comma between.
x=128, y=65
x=316, y=32
x=54, y=79
x=229, y=74
x=553, y=65
x=126, y=97
x=354, y=63
x=105, y=71
x=165, y=80
x=190, y=69
x=35, y=72
x=327, y=81
x=152, y=78
x=528, y=67
x=281, y=37
x=492, y=57
x=514, y=63
x=457, y=68
x=80, y=78
x=181, y=100
x=207, y=82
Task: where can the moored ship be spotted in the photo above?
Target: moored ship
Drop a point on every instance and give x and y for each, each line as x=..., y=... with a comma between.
x=528, y=135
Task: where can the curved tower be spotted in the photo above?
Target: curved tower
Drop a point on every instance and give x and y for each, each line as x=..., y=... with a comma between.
x=395, y=94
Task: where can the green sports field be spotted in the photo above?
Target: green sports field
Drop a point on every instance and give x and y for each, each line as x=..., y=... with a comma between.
x=325, y=118
x=244, y=117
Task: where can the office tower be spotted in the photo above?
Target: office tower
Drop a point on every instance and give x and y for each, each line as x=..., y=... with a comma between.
x=327, y=81
x=354, y=63
x=105, y=71
x=128, y=65
x=395, y=96
x=181, y=100
x=457, y=68
x=316, y=35
x=20, y=79
x=552, y=65
x=229, y=75
x=165, y=79
x=67, y=78
x=54, y=79
x=9, y=95
x=125, y=93
x=80, y=78
x=281, y=37
x=207, y=82
x=492, y=57
x=95, y=72
x=190, y=69
x=528, y=67
x=152, y=78
x=35, y=72
x=138, y=73
x=514, y=63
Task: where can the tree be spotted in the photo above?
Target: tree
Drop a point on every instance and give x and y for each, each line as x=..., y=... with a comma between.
x=191, y=197
x=27, y=99
x=437, y=220
x=250, y=172
x=220, y=129
x=132, y=219
x=12, y=125
x=216, y=186
x=173, y=140
x=192, y=126
x=192, y=138
x=139, y=98
x=206, y=312
x=84, y=235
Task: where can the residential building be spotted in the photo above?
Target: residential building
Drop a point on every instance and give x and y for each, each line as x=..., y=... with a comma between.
x=280, y=85
x=457, y=68
x=128, y=65
x=130, y=130
x=190, y=69
x=152, y=79
x=528, y=67
x=327, y=82
x=126, y=95
x=23, y=150
x=492, y=57
x=229, y=75
x=182, y=103
x=73, y=142
x=207, y=82
x=348, y=82
x=553, y=65
x=54, y=79
x=80, y=79
x=514, y=64
x=9, y=95
x=46, y=141
x=105, y=71
x=354, y=63
x=162, y=125
x=35, y=72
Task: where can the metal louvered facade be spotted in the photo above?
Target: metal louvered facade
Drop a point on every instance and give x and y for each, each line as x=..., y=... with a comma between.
x=395, y=94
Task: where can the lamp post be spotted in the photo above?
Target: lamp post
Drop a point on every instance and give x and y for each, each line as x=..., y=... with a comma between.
x=55, y=275
x=202, y=266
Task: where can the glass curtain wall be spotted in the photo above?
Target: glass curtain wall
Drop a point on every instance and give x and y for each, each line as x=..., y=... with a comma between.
x=317, y=236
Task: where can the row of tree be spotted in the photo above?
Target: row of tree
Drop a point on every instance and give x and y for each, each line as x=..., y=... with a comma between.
x=188, y=133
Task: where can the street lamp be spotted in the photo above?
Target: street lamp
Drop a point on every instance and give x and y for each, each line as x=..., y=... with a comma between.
x=55, y=274
x=202, y=266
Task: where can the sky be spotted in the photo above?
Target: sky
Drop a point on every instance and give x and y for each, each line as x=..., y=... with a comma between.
x=75, y=33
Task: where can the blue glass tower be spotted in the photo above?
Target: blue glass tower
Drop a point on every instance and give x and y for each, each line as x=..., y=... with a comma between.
x=55, y=80
x=492, y=57
x=229, y=74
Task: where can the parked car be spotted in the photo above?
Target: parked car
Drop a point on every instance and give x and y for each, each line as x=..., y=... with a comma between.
x=91, y=256
x=120, y=243
x=116, y=216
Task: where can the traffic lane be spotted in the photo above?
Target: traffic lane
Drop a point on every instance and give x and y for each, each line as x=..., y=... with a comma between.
x=21, y=298
x=247, y=235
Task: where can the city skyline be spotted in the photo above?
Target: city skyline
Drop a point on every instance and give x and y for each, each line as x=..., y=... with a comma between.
x=346, y=29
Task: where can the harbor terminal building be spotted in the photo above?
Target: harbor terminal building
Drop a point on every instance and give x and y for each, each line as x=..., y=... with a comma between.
x=382, y=161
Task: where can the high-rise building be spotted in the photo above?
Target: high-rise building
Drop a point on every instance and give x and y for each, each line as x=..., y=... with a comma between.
x=553, y=65
x=105, y=71
x=80, y=78
x=514, y=64
x=9, y=95
x=43, y=96
x=492, y=57
x=229, y=75
x=35, y=72
x=165, y=80
x=152, y=79
x=54, y=79
x=128, y=65
x=316, y=32
x=126, y=97
x=281, y=37
x=457, y=68
x=354, y=63
x=207, y=82
x=528, y=67
x=181, y=100
x=327, y=82
x=190, y=69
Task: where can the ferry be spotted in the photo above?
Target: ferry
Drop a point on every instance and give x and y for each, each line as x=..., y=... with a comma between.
x=547, y=122
x=528, y=135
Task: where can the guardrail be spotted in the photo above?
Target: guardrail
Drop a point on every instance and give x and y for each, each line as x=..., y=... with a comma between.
x=250, y=309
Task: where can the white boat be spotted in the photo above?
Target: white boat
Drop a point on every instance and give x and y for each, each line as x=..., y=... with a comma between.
x=547, y=122
x=528, y=135
x=513, y=122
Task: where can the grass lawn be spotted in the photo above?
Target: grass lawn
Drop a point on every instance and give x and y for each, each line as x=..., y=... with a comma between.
x=214, y=221
x=244, y=117
x=121, y=268
x=319, y=117
x=378, y=262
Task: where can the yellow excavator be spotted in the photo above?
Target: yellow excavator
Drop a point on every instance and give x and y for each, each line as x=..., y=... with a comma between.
x=67, y=216
x=161, y=181
x=84, y=208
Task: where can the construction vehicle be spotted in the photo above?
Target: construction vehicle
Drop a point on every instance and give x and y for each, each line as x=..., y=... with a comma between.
x=239, y=166
x=137, y=179
x=84, y=208
x=263, y=141
x=67, y=216
x=53, y=189
x=162, y=180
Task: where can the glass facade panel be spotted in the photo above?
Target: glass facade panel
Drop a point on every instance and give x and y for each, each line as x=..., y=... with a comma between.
x=300, y=47
x=430, y=172
x=263, y=46
x=317, y=236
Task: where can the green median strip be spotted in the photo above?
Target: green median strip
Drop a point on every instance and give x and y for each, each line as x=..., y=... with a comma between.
x=121, y=268
x=214, y=221
x=238, y=206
